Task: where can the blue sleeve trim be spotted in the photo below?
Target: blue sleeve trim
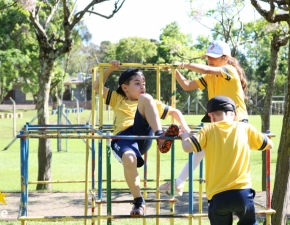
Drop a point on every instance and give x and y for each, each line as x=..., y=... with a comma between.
x=166, y=109
x=109, y=95
x=265, y=142
x=203, y=82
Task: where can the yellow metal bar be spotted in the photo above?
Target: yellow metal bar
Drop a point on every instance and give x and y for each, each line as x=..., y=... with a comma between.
x=93, y=109
x=103, y=217
x=101, y=93
x=173, y=90
x=138, y=65
x=87, y=179
x=145, y=197
x=173, y=105
x=268, y=219
x=266, y=211
x=172, y=211
x=83, y=181
x=58, y=182
x=190, y=220
x=200, y=200
x=100, y=119
x=99, y=213
x=158, y=86
x=158, y=153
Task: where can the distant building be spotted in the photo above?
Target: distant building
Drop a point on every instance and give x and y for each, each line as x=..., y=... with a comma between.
x=79, y=87
x=17, y=95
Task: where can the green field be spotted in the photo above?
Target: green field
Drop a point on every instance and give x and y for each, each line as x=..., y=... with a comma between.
x=70, y=163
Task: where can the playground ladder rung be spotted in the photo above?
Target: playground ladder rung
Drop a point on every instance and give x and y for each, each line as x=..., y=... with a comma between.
x=44, y=218
x=57, y=218
x=130, y=201
x=158, y=216
x=266, y=211
x=127, y=189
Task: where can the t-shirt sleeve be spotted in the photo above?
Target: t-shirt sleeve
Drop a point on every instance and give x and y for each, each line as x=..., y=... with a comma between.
x=228, y=72
x=202, y=82
x=111, y=98
x=163, y=110
x=257, y=140
x=198, y=140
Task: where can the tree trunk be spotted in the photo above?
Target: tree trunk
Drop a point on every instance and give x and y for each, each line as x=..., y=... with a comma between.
x=44, y=147
x=281, y=192
x=54, y=31
x=265, y=114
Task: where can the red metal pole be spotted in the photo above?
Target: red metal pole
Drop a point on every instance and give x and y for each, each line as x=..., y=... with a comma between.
x=268, y=183
x=268, y=174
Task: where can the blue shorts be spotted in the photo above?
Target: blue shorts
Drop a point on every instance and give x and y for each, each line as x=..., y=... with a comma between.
x=223, y=205
x=140, y=147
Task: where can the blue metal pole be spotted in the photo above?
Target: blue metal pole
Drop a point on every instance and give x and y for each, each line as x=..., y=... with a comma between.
x=190, y=183
x=23, y=174
x=93, y=163
x=109, y=186
x=100, y=171
x=172, y=168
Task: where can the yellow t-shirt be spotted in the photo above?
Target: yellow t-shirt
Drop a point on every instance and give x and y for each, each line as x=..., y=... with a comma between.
x=227, y=154
x=229, y=85
x=124, y=110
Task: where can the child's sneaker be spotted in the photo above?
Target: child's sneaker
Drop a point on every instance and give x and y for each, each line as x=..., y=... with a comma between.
x=138, y=208
x=166, y=189
x=165, y=145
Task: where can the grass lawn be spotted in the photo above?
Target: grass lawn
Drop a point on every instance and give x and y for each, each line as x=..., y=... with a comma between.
x=70, y=163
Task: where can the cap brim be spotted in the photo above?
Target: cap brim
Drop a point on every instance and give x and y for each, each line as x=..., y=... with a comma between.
x=211, y=55
x=206, y=119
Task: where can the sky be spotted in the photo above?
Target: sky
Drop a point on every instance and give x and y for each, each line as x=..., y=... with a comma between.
x=141, y=18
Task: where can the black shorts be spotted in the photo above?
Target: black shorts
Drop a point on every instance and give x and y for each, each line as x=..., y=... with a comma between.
x=140, y=147
x=223, y=205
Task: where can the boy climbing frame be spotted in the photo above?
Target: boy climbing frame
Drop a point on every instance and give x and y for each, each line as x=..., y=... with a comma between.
x=100, y=68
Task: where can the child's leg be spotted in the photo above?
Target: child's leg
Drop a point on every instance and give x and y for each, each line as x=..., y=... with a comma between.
x=127, y=152
x=180, y=180
x=147, y=108
x=129, y=160
x=197, y=157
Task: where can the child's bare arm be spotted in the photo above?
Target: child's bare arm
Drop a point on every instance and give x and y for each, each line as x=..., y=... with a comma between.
x=184, y=83
x=199, y=68
x=270, y=144
x=115, y=64
x=186, y=145
x=176, y=114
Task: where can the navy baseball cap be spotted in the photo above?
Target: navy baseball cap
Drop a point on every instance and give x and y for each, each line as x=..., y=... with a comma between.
x=126, y=75
x=218, y=103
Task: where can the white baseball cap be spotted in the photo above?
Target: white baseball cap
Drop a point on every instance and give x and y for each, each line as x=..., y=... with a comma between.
x=218, y=49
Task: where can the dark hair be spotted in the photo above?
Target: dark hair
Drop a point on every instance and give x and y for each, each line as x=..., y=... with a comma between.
x=126, y=77
x=235, y=63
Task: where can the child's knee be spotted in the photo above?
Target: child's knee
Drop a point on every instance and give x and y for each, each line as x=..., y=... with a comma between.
x=129, y=159
x=145, y=98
